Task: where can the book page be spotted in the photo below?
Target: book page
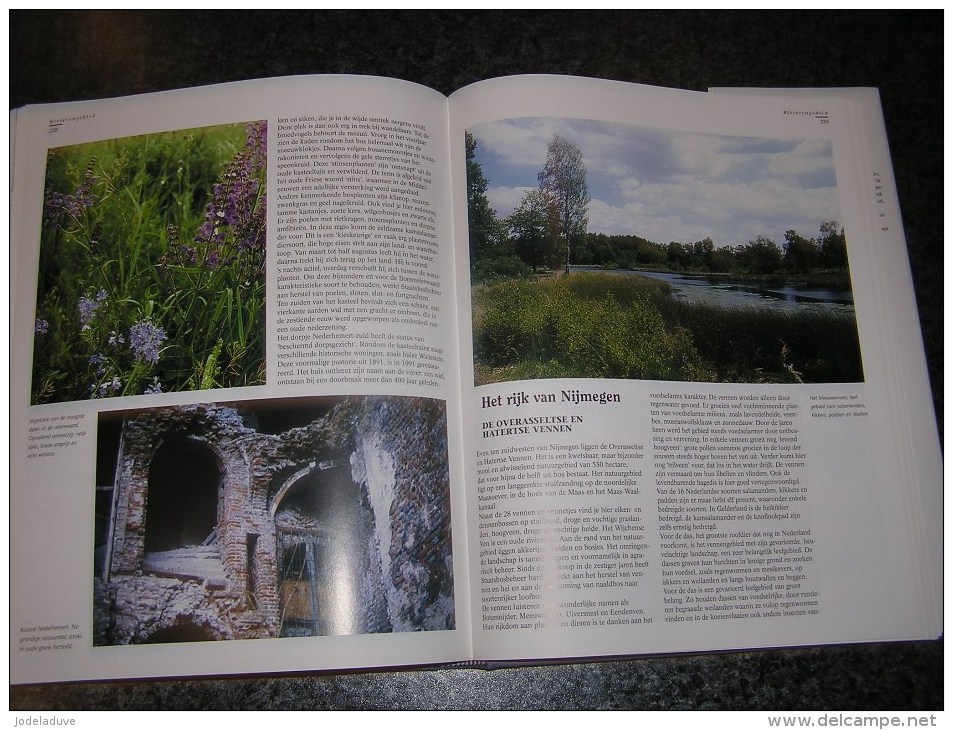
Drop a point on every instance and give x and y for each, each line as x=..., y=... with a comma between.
x=912, y=417
x=681, y=426
x=235, y=441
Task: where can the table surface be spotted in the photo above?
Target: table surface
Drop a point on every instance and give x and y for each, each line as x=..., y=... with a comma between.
x=72, y=55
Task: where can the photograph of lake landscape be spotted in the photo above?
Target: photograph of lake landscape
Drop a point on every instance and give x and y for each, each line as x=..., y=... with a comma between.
x=601, y=250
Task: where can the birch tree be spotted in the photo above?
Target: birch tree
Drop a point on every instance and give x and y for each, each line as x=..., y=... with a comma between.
x=564, y=179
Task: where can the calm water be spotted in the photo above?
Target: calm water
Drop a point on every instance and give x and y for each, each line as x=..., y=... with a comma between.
x=728, y=293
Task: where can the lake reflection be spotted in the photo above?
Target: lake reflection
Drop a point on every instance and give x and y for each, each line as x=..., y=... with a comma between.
x=726, y=292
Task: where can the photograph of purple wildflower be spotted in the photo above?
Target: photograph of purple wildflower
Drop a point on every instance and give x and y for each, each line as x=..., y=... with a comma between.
x=152, y=265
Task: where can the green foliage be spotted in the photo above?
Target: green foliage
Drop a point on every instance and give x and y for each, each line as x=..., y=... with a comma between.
x=753, y=345
x=723, y=260
x=762, y=256
x=758, y=257
x=151, y=272
x=583, y=325
x=491, y=253
x=800, y=254
x=612, y=326
x=534, y=231
x=501, y=264
x=619, y=251
x=832, y=246
x=678, y=256
x=484, y=229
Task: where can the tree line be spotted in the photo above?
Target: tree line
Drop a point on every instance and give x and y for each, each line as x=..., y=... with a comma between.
x=548, y=230
x=796, y=254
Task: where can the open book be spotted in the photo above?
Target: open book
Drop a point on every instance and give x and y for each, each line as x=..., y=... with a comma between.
x=330, y=372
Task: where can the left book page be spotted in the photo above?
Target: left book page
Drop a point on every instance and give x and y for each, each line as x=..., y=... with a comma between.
x=235, y=395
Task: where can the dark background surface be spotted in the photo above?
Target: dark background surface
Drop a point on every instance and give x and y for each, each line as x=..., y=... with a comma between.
x=73, y=55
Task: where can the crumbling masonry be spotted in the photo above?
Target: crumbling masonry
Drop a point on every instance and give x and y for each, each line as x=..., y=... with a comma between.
x=222, y=526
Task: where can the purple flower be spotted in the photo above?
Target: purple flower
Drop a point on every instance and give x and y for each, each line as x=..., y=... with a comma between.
x=145, y=339
x=156, y=387
x=209, y=229
x=187, y=253
x=41, y=327
x=87, y=310
x=230, y=215
x=84, y=197
x=56, y=204
x=110, y=387
x=88, y=307
x=256, y=140
x=98, y=362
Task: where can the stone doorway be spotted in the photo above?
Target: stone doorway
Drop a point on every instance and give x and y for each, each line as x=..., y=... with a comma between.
x=327, y=558
x=181, y=534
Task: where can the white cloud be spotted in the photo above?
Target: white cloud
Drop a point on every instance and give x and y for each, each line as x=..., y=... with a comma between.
x=519, y=142
x=504, y=200
x=689, y=210
x=671, y=186
x=809, y=157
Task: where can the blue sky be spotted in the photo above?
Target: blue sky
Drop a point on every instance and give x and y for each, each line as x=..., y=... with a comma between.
x=671, y=186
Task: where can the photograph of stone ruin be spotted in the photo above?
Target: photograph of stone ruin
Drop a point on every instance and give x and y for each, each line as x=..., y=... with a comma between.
x=272, y=518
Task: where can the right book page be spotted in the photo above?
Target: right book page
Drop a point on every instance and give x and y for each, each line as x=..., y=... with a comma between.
x=909, y=422
x=699, y=417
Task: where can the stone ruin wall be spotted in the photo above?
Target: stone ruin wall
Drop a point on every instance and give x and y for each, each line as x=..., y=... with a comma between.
x=397, y=452
x=400, y=458
x=141, y=604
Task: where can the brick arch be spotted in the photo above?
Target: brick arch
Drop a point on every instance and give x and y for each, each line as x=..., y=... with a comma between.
x=185, y=479
x=328, y=564
x=287, y=486
x=185, y=628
